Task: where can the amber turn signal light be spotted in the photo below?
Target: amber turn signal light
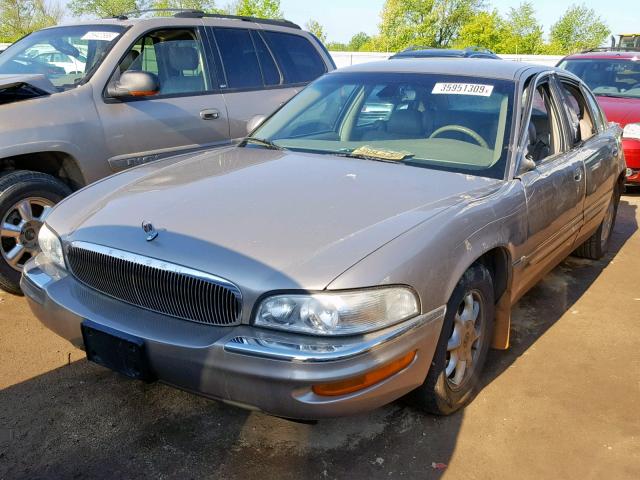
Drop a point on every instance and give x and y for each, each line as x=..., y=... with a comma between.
x=363, y=381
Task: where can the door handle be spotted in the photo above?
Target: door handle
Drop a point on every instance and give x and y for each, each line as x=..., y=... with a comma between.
x=210, y=114
x=577, y=174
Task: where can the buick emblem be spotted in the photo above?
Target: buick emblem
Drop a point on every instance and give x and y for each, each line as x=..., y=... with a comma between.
x=150, y=231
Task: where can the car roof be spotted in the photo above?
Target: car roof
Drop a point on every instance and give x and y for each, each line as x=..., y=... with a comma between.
x=444, y=52
x=475, y=67
x=602, y=55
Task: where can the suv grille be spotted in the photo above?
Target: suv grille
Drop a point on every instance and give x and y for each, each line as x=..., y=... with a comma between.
x=156, y=285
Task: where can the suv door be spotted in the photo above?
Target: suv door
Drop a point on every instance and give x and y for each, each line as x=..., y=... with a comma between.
x=596, y=146
x=260, y=70
x=554, y=189
x=187, y=114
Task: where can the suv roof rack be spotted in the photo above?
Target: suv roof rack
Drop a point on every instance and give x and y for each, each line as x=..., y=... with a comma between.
x=193, y=13
x=612, y=49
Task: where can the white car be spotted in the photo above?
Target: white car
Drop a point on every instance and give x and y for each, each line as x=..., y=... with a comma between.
x=62, y=60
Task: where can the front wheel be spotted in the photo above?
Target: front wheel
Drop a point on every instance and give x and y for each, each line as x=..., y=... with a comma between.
x=25, y=199
x=454, y=377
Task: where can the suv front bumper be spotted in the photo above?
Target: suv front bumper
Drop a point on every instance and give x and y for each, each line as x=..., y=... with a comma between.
x=254, y=368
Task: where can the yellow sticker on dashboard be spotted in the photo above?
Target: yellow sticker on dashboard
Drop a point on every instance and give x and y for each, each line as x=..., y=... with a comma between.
x=476, y=89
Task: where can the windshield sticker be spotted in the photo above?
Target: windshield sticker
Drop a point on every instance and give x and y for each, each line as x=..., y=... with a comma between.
x=102, y=36
x=475, y=89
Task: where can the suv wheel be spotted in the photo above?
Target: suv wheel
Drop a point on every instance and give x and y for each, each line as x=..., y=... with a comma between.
x=454, y=377
x=25, y=200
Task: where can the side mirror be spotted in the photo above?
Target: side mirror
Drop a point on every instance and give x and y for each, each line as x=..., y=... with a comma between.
x=255, y=122
x=134, y=84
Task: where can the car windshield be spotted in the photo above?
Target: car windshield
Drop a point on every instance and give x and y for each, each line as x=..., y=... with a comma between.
x=608, y=78
x=446, y=122
x=65, y=55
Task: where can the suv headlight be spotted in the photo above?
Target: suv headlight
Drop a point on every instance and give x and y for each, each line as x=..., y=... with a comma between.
x=338, y=313
x=632, y=130
x=51, y=246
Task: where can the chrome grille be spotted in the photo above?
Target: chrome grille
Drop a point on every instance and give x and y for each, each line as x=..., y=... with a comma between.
x=156, y=285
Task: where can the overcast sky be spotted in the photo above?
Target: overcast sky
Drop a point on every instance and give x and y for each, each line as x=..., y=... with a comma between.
x=343, y=18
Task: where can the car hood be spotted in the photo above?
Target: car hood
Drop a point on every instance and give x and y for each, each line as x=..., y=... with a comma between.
x=263, y=219
x=23, y=86
x=621, y=110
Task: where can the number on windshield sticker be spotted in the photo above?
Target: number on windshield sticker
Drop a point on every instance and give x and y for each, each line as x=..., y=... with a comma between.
x=476, y=89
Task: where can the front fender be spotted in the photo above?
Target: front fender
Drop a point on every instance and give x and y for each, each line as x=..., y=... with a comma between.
x=433, y=256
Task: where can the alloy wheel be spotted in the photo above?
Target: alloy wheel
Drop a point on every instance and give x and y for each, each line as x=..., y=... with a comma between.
x=466, y=339
x=19, y=230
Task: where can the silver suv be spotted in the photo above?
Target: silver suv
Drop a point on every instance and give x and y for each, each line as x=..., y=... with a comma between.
x=80, y=102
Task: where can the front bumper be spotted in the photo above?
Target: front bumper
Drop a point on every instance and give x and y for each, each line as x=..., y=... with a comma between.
x=246, y=366
x=631, y=149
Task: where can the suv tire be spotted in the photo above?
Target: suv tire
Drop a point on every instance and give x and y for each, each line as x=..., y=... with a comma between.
x=25, y=198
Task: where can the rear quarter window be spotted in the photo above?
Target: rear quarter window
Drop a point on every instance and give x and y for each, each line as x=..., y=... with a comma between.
x=299, y=61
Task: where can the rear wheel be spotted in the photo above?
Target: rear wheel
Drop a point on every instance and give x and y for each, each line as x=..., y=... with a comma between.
x=25, y=200
x=597, y=244
x=454, y=377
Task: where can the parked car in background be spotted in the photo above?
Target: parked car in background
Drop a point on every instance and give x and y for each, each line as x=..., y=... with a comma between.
x=328, y=265
x=613, y=74
x=80, y=102
x=470, y=52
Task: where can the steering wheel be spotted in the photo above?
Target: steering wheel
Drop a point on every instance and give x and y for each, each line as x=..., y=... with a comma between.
x=461, y=129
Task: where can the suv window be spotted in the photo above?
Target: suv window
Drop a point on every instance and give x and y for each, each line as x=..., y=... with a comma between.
x=270, y=71
x=239, y=58
x=175, y=56
x=298, y=59
x=580, y=121
x=544, y=126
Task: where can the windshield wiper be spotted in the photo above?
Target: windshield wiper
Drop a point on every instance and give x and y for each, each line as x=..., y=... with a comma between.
x=261, y=141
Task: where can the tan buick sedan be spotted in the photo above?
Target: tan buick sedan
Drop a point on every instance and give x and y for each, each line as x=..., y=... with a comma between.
x=366, y=242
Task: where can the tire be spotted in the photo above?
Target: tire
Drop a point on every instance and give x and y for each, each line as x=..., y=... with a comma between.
x=440, y=394
x=18, y=230
x=597, y=244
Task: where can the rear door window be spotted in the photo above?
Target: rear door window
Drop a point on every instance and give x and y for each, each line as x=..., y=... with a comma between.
x=299, y=61
x=580, y=120
x=239, y=58
x=270, y=71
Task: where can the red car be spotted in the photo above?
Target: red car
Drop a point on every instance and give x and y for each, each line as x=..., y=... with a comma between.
x=614, y=77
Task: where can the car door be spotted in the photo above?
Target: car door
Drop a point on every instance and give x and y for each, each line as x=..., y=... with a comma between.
x=188, y=113
x=260, y=70
x=596, y=145
x=554, y=186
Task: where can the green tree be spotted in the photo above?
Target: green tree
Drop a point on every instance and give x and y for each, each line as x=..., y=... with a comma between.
x=485, y=29
x=432, y=23
x=103, y=8
x=208, y=6
x=21, y=17
x=258, y=8
x=358, y=42
x=580, y=28
x=337, y=47
x=525, y=34
x=314, y=27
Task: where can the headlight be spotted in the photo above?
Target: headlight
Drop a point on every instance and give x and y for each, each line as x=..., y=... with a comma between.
x=338, y=313
x=51, y=246
x=632, y=130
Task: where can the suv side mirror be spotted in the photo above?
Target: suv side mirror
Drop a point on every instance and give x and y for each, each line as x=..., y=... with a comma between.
x=134, y=84
x=254, y=122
